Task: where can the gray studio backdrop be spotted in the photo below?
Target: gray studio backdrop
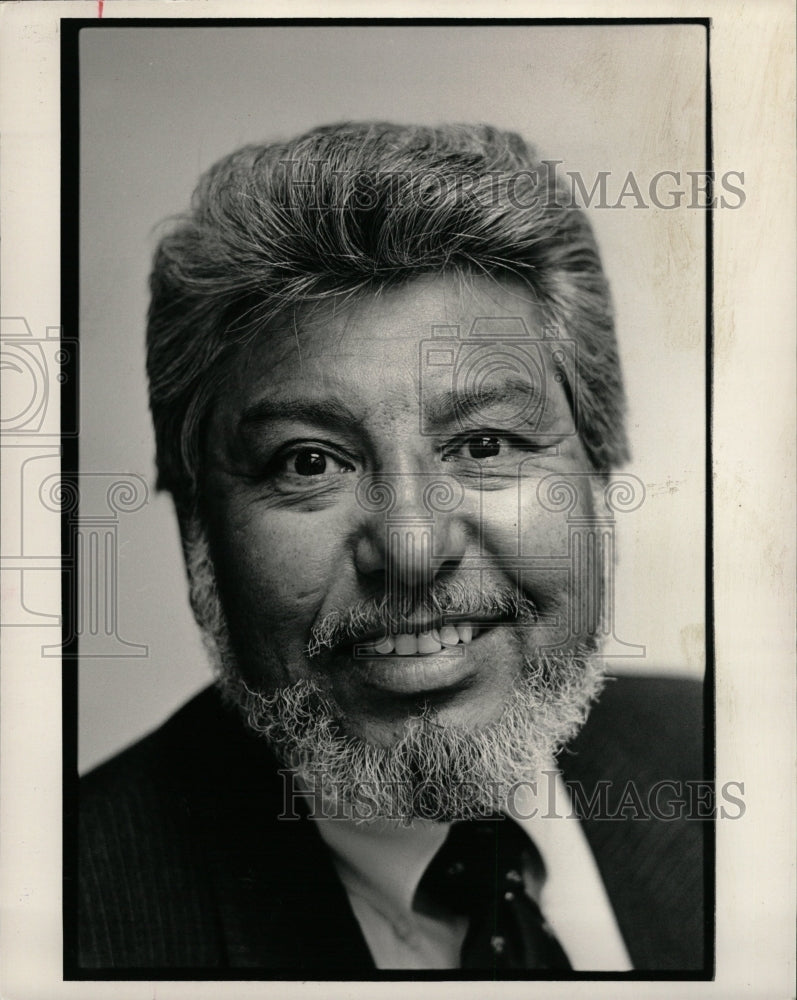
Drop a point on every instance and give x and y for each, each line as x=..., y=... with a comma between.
x=159, y=105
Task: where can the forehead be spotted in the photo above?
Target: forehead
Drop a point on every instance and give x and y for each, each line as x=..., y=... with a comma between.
x=384, y=333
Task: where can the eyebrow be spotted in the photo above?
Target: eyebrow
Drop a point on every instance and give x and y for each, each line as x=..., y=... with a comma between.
x=443, y=408
x=451, y=403
x=313, y=411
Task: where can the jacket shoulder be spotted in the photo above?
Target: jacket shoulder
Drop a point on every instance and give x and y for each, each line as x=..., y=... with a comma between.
x=187, y=860
x=138, y=863
x=636, y=775
x=651, y=723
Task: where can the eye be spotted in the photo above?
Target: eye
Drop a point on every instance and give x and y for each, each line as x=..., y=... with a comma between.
x=313, y=462
x=483, y=446
x=309, y=463
x=303, y=463
x=490, y=452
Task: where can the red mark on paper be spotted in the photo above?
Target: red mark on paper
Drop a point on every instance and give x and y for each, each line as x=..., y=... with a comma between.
x=100, y=5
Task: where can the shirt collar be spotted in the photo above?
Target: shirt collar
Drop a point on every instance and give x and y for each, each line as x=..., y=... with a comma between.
x=383, y=860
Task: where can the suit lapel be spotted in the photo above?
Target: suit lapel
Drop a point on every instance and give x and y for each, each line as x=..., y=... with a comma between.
x=280, y=904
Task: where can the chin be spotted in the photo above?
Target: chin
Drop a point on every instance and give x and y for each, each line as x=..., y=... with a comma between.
x=442, y=760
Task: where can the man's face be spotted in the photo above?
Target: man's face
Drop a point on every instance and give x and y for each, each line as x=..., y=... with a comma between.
x=312, y=419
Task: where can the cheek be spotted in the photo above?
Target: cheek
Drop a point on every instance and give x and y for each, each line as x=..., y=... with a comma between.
x=513, y=523
x=532, y=546
x=276, y=567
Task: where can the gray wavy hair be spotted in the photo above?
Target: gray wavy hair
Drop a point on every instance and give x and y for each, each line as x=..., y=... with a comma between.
x=349, y=209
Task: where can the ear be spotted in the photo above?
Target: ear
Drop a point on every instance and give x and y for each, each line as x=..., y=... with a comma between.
x=200, y=571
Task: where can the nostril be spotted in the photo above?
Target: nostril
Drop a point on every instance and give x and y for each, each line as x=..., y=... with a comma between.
x=448, y=566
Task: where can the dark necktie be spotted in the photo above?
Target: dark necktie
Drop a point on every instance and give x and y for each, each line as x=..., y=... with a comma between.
x=479, y=872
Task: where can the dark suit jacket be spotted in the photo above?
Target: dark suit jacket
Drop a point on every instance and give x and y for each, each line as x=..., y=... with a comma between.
x=183, y=864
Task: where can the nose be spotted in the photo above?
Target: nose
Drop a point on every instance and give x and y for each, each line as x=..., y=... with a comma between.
x=412, y=530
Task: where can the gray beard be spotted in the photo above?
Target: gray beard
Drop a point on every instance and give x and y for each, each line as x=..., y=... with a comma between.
x=434, y=770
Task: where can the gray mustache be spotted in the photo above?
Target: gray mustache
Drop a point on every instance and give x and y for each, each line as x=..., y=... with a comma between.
x=392, y=612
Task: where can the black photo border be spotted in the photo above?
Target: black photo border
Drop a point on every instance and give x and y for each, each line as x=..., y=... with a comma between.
x=70, y=29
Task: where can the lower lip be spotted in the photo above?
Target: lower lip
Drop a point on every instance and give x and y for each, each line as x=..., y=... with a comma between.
x=417, y=674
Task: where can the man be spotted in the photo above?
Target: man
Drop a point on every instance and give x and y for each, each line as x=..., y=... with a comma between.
x=387, y=402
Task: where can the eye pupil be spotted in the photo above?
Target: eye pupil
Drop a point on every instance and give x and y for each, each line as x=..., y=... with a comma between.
x=484, y=447
x=310, y=463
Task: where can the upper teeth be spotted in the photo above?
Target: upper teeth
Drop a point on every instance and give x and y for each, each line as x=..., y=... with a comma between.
x=411, y=644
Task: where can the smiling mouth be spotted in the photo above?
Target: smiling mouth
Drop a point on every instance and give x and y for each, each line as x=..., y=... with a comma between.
x=423, y=655
x=427, y=659
x=422, y=642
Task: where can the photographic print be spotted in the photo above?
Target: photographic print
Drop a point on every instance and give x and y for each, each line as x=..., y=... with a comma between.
x=419, y=555
x=378, y=422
